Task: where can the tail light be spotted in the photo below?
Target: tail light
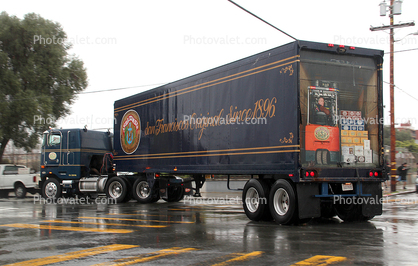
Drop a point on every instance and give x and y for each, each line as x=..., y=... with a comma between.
x=310, y=173
x=34, y=179
x=374, y=174
x=341, y=48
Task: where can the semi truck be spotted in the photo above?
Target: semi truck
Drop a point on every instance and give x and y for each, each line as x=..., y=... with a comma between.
x=303, y=121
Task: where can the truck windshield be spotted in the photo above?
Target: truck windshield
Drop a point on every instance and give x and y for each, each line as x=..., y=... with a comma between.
x=339, y=110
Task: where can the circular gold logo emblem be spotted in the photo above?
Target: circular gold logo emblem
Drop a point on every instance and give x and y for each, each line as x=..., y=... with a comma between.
x=52, y=156
x=130, y=132
x=321, y=133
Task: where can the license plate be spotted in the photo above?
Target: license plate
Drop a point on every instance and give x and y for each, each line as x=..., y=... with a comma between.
x=347, y=186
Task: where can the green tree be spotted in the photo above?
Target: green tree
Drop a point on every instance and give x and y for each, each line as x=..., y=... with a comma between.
x=409, y=144
x=39, y=80
x=386, y=135
x=403, y=135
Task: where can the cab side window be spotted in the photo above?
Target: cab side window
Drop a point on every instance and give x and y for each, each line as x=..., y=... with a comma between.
x=54, y=140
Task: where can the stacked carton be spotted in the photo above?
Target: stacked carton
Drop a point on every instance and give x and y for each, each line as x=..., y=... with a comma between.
x=355, y=143
x=351, y=120
x=353, y=137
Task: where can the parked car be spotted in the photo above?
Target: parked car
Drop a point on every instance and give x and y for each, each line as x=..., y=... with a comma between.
x=18, y=178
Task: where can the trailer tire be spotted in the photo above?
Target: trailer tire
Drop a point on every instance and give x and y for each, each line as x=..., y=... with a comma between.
x=318, y=156
x=325, y=157
x=255, y=200
x=117, y=188
x=20, y=191
x=349, y=212
x=51, y=189
x=282, y=201
x=143, y=193
x=175, y=194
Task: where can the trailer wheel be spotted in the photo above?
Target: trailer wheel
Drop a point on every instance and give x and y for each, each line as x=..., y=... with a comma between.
x=117, y=188
x=349, y=212
x=51, y=189
x=20, y=191
x=175, y=194
x=282, y=201
x=143, y=193
x=254, y=199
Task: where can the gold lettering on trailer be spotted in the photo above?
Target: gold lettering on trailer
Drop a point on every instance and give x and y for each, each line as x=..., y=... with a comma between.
x=287, y=140
x=260, y=111
x=288, y=68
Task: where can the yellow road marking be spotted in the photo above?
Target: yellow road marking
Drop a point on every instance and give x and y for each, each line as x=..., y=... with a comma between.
x=241, y=258
x=135, y=214
x=138, y=220
x=146, y=257
x=320, y=260
x=72, y=255
x=68, y=228
x=73, y=222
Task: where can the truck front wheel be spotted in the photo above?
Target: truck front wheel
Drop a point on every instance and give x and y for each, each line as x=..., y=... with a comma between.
x=282, y=200
x=143, y=193
x=51, y=189
x=255, y=200
x=117, y=189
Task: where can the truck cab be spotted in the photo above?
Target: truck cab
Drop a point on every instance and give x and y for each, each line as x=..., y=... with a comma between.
x=80, y=161
x=69, y=155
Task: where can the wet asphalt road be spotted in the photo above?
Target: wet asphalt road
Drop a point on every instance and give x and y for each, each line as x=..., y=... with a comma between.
x=209, y=231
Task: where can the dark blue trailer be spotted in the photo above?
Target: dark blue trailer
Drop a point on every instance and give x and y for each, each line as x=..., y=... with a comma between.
x=304, y=120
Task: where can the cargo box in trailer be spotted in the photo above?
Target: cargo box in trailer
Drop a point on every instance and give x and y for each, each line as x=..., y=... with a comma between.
x=304, y=120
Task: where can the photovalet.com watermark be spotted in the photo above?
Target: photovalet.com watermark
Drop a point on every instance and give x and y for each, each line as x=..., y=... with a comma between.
x=82, y=40
x=74, y=120
x=223, y=40
x=374, y=40
x=193, y=120
x=224, y=200
x=372, y=200
x=87, y=200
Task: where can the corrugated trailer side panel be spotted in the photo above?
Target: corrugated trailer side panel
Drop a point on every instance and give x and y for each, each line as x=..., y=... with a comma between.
x=240, y=118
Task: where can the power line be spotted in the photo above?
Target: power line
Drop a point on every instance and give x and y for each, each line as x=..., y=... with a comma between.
x=117, y=89
x=91, y=92
x=400, y=51
x=402, y=91
x=263, y=20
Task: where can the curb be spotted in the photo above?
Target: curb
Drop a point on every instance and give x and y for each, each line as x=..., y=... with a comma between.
x=398, y=193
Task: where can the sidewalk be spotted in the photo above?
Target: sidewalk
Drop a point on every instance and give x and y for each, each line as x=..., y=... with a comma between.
x=399, y=190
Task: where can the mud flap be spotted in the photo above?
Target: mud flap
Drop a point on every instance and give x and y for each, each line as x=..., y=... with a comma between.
x=188, y=188
x=309, y=206
x=372, y=205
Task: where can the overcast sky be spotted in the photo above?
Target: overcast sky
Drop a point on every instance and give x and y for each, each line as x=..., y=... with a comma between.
x=143, y=44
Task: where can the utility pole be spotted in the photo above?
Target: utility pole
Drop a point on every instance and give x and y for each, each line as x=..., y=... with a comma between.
x=392, y=107
x=395, y=9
